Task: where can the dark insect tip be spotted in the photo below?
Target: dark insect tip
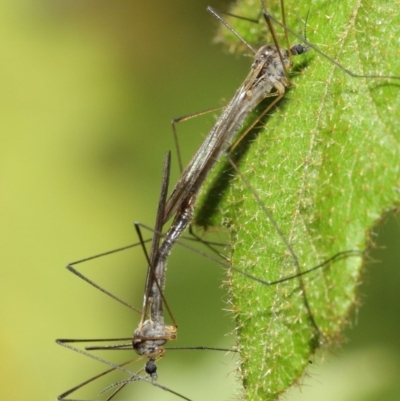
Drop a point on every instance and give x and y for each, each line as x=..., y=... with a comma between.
x=151, y=368
x=298, y=49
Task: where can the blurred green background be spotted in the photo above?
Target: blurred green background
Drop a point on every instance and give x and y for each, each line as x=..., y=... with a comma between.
x=88, y=91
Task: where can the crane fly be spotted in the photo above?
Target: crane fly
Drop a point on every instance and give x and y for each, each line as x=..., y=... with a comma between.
x=268, y=77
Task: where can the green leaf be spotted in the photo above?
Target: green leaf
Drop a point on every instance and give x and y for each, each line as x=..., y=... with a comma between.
x=325, y=162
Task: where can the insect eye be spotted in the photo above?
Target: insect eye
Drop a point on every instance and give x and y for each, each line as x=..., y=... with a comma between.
x=298, y=49
x=151, y=368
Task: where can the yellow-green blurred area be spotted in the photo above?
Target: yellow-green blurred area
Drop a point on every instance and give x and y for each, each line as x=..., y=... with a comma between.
x=88, y=90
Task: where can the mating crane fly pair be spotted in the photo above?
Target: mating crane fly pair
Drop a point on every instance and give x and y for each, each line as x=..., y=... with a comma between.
x=267, y=78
